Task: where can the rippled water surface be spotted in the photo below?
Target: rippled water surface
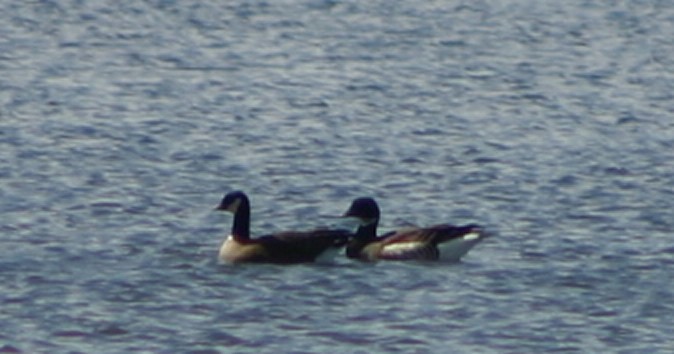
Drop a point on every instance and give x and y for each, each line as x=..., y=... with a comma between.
x=122, y=124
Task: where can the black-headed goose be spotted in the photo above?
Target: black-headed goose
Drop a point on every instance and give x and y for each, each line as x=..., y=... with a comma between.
x=445, y=241
x=282, y=248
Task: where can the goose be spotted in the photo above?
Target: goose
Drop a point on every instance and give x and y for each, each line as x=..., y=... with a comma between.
x=445, y=242
x=281, y=248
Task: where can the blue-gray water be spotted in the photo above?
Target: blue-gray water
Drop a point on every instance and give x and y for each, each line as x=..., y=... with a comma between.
x=122, y=124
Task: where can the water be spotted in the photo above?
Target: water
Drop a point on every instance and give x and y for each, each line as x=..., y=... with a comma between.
x=122, y=124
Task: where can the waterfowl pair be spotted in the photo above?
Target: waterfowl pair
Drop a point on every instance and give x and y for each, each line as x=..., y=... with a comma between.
x=282, y=248
x=446, y=242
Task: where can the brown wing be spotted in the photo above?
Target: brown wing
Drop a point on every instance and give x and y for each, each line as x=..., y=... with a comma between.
x=301, y=236
x=409, y=234
x=433, y=234
x=420, y=243
x=446, y=232
x=408, y=243
x=298, y=247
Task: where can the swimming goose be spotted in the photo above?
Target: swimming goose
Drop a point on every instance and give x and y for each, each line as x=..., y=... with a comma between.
x=445, y=241
x=282, y=248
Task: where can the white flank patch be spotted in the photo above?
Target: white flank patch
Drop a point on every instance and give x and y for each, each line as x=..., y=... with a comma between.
x=455, y=249
x=402, y=247
x=328, y=256
x=471, y=236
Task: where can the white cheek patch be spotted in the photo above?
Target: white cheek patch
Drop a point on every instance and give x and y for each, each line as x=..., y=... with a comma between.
x=234, y=206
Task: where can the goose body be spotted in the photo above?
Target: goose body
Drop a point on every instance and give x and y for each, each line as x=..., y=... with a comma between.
x=443, y=241
x=281, y=248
